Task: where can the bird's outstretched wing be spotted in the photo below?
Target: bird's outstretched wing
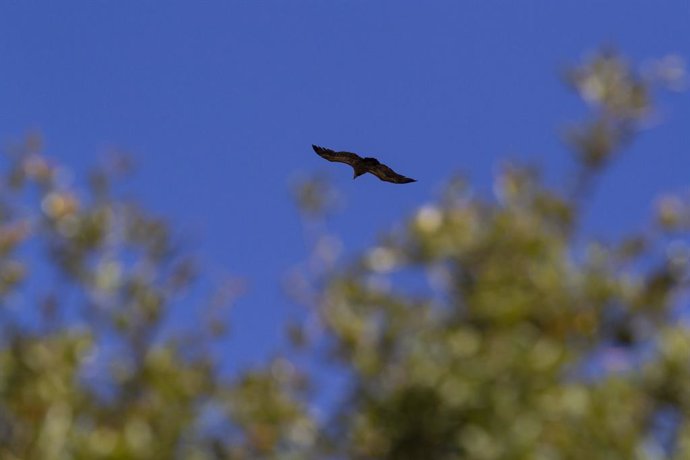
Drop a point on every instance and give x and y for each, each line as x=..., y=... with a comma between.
x=385, y=173
x=349, y=158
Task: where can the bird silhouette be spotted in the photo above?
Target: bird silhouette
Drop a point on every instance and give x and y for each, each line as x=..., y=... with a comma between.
x=363, y=165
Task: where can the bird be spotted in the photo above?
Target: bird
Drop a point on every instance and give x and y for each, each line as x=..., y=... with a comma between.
x=363, y=165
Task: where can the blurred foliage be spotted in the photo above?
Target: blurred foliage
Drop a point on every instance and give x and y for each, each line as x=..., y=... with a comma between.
x=93, y=363
x=483, y=328
x=494, y=328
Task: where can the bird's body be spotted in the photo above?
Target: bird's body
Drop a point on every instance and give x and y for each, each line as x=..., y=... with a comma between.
x=363, y=165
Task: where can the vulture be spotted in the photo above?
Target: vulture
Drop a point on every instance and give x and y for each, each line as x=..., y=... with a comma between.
x=363, y=165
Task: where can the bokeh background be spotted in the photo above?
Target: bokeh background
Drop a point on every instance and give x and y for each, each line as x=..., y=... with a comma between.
x=218, y=104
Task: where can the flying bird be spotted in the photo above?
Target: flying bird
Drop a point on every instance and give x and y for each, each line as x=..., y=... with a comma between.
x=363, y=165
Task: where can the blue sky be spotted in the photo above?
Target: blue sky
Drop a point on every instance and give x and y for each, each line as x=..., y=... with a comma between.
x=219, y=102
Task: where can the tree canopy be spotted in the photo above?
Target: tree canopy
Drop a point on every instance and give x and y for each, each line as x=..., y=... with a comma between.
x=484, y=327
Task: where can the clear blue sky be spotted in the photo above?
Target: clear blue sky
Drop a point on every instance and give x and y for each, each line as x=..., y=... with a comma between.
x=219, y=102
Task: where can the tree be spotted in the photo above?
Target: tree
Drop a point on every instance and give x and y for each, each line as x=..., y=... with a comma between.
x=530, y=341
x=90, y=366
